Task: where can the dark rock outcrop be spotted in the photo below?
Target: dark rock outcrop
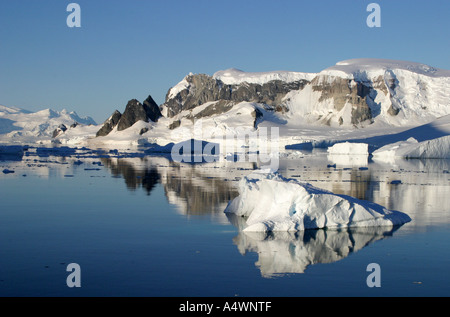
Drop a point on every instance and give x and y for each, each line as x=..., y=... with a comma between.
x=134, y=111
x=346, y=91
x=152, y=109
x=59, y=130
x=109, y=124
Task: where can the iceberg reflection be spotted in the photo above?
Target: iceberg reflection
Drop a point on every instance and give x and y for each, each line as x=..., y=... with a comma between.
x=282, y=253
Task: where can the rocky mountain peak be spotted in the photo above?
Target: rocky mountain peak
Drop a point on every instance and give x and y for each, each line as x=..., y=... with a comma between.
x=134, y=112
x=199, y=89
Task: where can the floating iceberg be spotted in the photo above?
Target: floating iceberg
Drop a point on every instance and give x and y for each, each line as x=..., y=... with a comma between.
x=273, y=203
x=348, y=148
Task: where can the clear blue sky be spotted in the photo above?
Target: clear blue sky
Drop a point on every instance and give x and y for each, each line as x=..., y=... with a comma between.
x=135, y=48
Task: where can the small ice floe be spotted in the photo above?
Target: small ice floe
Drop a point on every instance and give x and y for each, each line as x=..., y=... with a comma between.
x=271, y=202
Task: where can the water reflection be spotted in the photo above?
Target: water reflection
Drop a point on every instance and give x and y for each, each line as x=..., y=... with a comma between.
x=420, y=188
x=146, y=178
x=282, y=253
x=194, y=189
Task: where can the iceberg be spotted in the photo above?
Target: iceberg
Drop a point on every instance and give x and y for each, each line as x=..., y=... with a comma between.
x=273, y=203
x=348, y=148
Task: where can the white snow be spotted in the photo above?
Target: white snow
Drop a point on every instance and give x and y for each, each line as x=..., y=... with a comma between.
x=421, y=92
x=22, y=126
x=182, y=85
x=274, y=203
x=347, y=148
x=360, y=65
x=235, y=76
x=438, y=148
x=431, y=140
x=124, y=138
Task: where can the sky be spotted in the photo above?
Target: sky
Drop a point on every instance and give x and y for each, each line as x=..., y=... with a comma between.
x=132, y=49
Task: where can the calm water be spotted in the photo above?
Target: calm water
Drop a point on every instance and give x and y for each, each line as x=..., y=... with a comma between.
x=144, y=226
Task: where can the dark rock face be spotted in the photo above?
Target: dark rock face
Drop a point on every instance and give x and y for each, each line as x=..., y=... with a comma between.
x=175, y=124
x=358, y=93
x=152, y=109
x=219, y=107
x=393, y=111
x=347, y=91
x=136, y=111
x=203, y=88
x=109, y=124
x=257, y=114
x=361, y=112
x=59, y=130
x=143, y=130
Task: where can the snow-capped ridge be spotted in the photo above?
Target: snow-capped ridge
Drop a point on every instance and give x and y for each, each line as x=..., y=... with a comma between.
x=357, y=65
x=5, y=109
x=354, y=93
x=18, y=125
x=234, y=76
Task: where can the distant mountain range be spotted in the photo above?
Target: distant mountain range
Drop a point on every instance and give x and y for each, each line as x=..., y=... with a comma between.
x=23, y=125
x=353, y=94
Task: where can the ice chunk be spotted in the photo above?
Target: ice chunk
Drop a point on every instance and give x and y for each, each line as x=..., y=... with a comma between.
x=348, y=148
x=274, y=203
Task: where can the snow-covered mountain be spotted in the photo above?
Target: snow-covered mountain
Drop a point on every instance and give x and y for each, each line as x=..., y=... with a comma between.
x=19, y=125
x=353, y=93
x=354, y=98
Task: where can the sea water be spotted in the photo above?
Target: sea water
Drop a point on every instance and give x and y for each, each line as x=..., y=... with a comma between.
x=146, y=226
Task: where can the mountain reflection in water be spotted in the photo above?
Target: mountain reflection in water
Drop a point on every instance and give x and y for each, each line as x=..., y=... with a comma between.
x=207, y=188
x=194, y=189
x=420, y=188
